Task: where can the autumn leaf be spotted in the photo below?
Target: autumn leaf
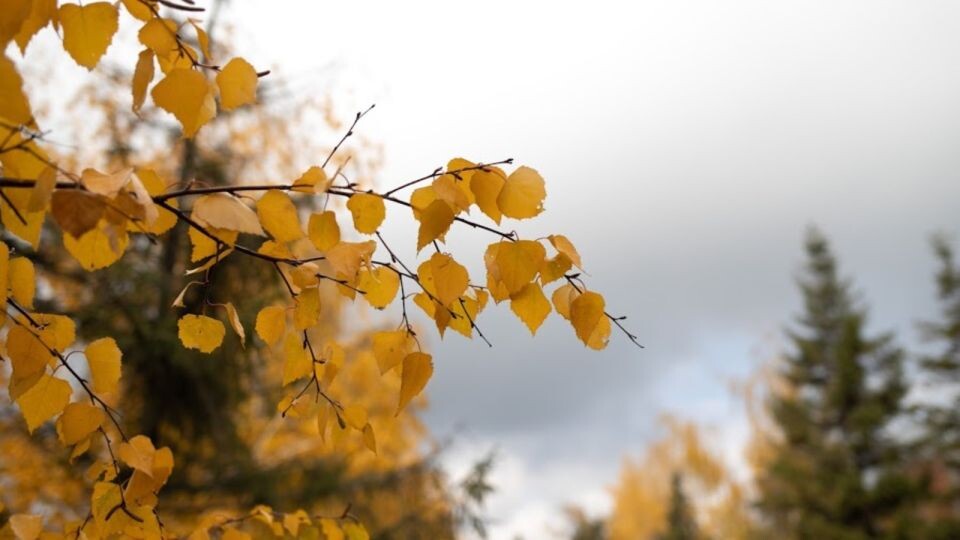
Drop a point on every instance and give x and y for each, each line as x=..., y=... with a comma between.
x=188, y=96
x=565, y=247
x=278, y=215
x=238, y=84
x=313, y=180
x=200, y=332
x=435, y=221
x=44, y=400
x=380, y=286
x=486, y=187
x=13, y=102
x=103, y=357
x=271, y=324
x=531, y=306
x=444, y=277
x=323, y=230
x=78, y=421
x=355, y=416
x=142, y=76
x=390, y=348
x=225, y=211
x=368, y=212
x=416, y=371
x=522, y=194
x=586, y=311
x=88, y=31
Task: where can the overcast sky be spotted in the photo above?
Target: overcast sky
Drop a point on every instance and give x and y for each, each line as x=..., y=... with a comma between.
x=686, y=147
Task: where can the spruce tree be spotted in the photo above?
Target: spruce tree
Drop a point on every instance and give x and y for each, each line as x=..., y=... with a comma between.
x=836, y=471
x=940, y=445
x=681, y=524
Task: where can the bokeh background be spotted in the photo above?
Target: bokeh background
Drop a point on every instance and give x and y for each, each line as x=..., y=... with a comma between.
x=687, y=147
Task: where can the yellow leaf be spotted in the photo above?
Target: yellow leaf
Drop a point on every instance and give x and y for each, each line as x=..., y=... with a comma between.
x=103, y=357
x=238, y=84
x=307, y=311
x=203, y=39
x=138, y=453
x=323, y=230
x=331, y=531
x=159, y=35
x=78, y=421
x=355, y=531
x=14, y=105
x=454, y=191
x=44, y=400
x=278, y=215
x=417, y=370
x=555, y=268
x=444, y=277
x=486, y=187
x=271, y=324
x=154, y=185
x=26, y=527
x=562, y=298
x=99, y=247
x=106, y=184
x=355, y=416
x=4, y=272
x=390, y=348
x=347, y=257
x=22, y=280
x=314, y=180
x=43, y=190
x=368, y=212
x=466, y=312
x=204, y=246
x=369, y=438
x=200, y=332
x=42, y=13
x=531, y=306
x=514, y=263
x=420, y=199
x=522, y=194
x=379, y=285
x=586, y=311
x=58, y=331
x=138, y=9
x=600, y=335
x=187, y=95
x=88, y=31
x=235, y=323
x=142, y=76
x=27, y=353
x=305, y=275
x=225, y=211
x=296, y=358
x=435, y=221
x=564, y=246
x=12, y=17
x=76, y=211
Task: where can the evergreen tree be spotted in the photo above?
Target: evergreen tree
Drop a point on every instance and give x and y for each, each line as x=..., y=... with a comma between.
x=681, y=524
x=940, y=446
x=835, y=472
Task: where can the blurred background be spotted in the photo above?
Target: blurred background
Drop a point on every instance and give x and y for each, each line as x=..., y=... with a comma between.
x=755, y=184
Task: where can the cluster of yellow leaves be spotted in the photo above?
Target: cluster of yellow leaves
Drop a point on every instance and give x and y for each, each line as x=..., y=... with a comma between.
x=263, y=522
x=98, y=212
x=36, y=346
x=519, y=195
